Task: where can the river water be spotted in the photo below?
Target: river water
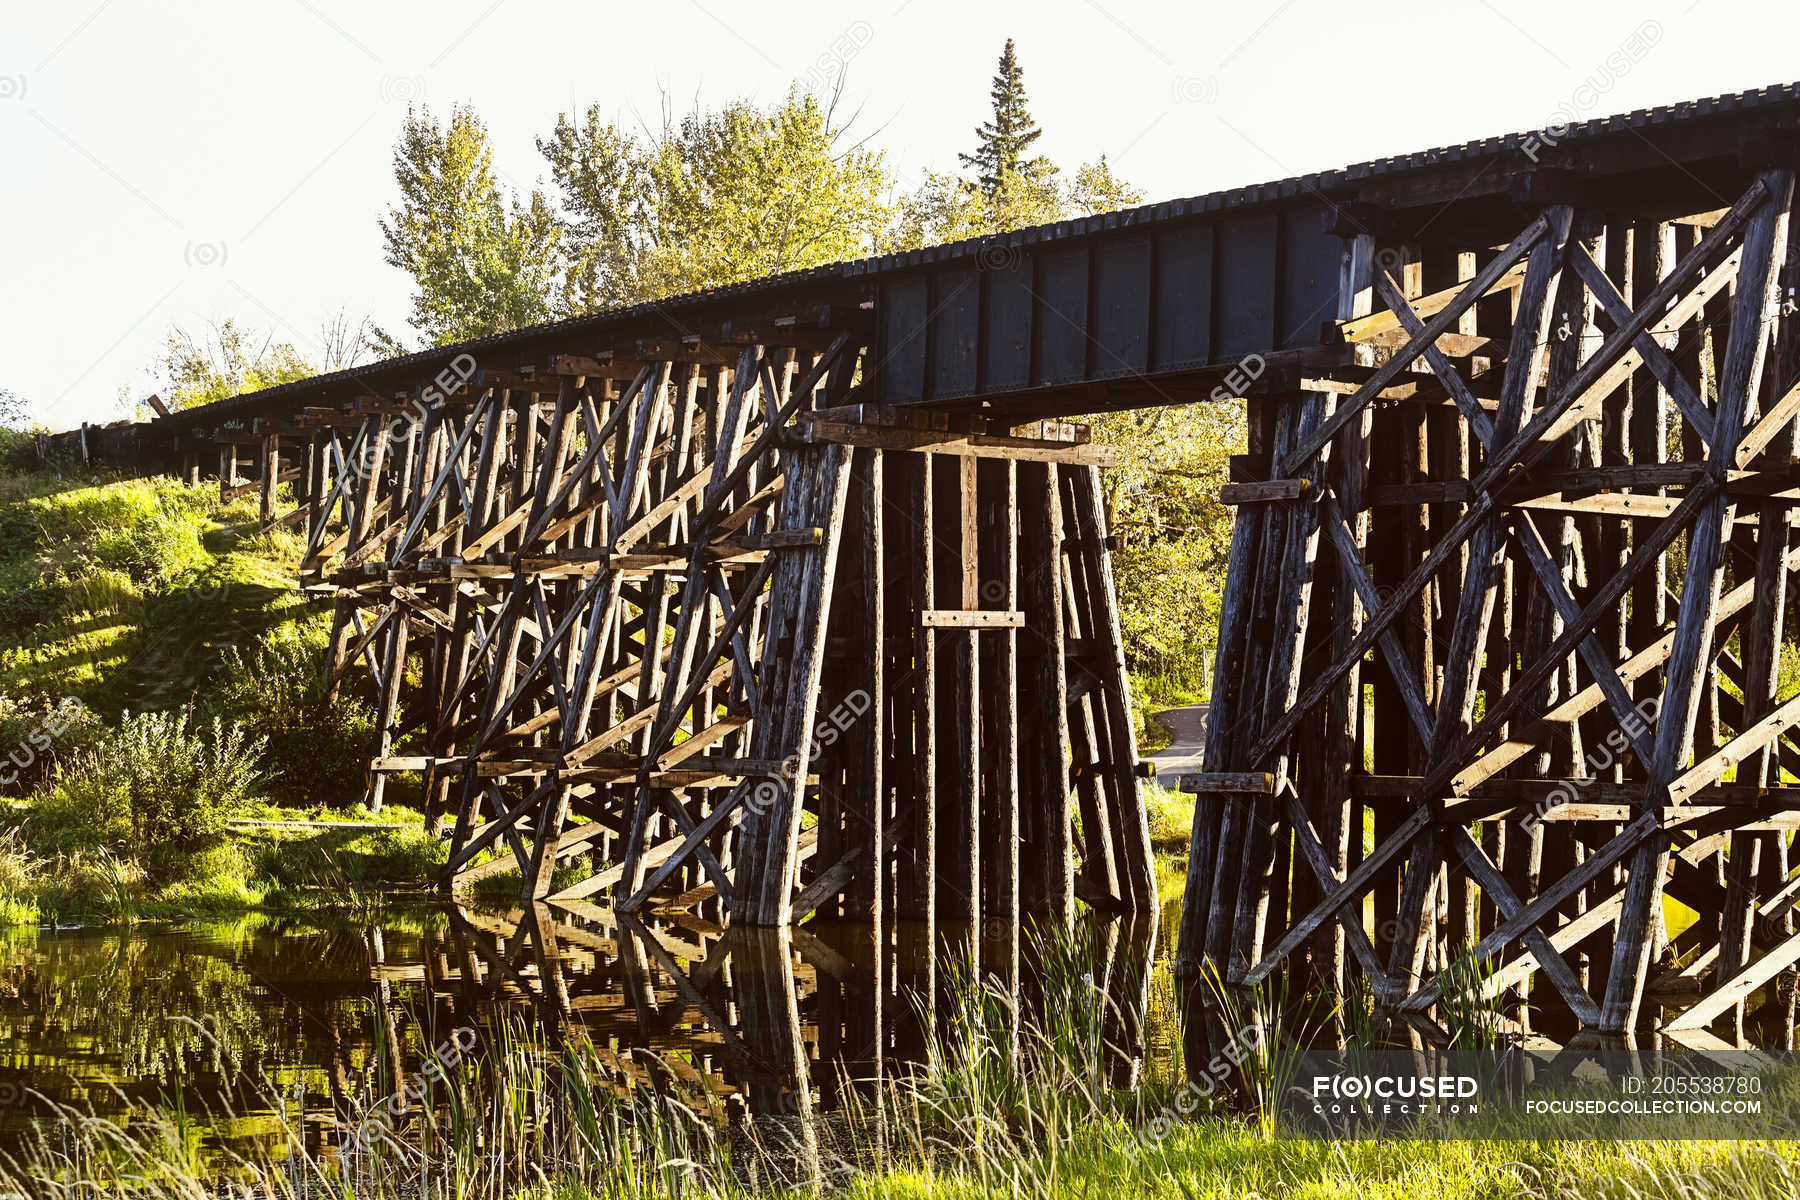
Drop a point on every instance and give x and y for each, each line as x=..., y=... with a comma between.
x=242, y=1032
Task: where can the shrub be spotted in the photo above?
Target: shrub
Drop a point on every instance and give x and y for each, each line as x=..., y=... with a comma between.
x=156, y=787
x=18, y=450
x=35, y=734
x=318, y=748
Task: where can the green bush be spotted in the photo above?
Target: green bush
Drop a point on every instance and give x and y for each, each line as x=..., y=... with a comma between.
x=318, y=747
x=157, y=788
x=18, y=450
x=36, y=734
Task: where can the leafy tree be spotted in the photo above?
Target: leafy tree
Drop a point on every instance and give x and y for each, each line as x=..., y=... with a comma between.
x=945, y=208
x=1162, y=499
x=719, y=197
x=15, y=410
x=1009, y=133
x=18, y=448
x=1173, y=534
x=225, y=360
x=480, y=263
x=1097, y=190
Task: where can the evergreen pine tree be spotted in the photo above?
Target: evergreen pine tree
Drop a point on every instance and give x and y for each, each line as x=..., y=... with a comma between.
x=1003, y=141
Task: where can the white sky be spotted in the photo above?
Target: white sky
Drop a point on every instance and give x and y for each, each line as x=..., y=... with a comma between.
x=175, y=161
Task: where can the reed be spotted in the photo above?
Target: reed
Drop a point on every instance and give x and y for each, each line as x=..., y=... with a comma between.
x=1012, y=1098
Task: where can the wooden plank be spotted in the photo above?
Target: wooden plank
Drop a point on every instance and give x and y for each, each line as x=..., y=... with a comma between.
x=883, y=437
x=1651, y=308
x=1348, y=917
x=1549, y=958
x=1387, y=326
x=1546, y=902
x=1730, y=991
x=1257, y=783
x=971, y=618
x=1263, y=491
x=1347, y=892
x=1763, y=249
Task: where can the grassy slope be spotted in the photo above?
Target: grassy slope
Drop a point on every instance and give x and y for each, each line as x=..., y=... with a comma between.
x=128, y=596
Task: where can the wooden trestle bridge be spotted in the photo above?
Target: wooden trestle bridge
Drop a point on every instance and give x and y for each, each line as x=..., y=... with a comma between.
x=796, y=595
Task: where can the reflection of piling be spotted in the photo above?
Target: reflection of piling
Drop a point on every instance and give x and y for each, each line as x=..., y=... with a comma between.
x=777, y=1089
x=776, y=1027
x=384, y=1002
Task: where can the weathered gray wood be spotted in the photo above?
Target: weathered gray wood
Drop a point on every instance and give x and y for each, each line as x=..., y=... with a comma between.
x=1260, y=783
x=1764, y=248
x=1517, y=453
x=1555, y=966
x=1546, y=902
x=1347, y=892
x=1440, y=322
x=769, y=837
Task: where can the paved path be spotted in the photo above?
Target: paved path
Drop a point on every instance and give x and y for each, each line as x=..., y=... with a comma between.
x=1187, y=725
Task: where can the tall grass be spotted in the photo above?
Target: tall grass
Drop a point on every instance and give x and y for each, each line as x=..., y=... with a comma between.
x=20, y=876
x=1011, y=1098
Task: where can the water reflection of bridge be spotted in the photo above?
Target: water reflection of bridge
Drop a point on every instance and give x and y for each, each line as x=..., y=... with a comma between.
x=780, y=1018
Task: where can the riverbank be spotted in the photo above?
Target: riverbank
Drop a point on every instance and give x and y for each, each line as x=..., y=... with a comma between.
x=161, y=684
x=267, y=869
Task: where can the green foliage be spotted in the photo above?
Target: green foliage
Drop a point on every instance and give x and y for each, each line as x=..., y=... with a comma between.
x=92, y=550
x=36, y=733
x=21, y=875
x=15, y=411
x=1173, y=534
x=153, y=550
x=156, y=787
x=719, y=197
x=1787, y=684
x=333, y=866
x=945, y=208
x=1009, y=191
x=480, y=263
x=1171, y=817
x=317, y=747
x=1006, y=136
x=103, y=830
x=224, y=361
x=18, y=450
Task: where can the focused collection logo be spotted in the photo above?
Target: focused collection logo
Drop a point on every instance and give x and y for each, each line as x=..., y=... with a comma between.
x=1354, y=1095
